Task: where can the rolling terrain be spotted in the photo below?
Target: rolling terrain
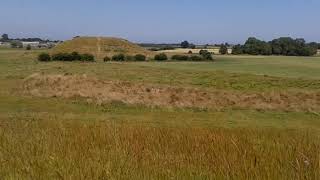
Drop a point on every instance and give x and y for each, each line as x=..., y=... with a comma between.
x=61, y=120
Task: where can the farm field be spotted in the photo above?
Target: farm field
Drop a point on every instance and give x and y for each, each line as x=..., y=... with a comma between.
x=75, y=135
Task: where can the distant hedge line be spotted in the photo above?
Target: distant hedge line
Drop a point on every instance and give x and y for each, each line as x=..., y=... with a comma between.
x=285, y=46
x=75, y=56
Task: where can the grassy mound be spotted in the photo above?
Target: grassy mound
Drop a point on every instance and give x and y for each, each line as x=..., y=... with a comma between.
x=100, y=47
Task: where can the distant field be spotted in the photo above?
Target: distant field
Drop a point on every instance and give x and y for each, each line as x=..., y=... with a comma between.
x=196, y=51
x=61, y=136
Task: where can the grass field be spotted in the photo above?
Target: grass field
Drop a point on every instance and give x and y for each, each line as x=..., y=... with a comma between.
x=71, y=138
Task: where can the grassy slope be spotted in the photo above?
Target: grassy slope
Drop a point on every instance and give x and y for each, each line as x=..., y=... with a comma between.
x=31, y=122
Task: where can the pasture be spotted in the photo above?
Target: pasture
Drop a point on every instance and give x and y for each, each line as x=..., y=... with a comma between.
x=58, y=136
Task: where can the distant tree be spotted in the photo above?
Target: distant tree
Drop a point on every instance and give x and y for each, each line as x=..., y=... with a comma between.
x=161, y=57
x=185, y=44
x=223, y=49
x=192, y=46
x=5, y=37
x=28, y=47
x=16, y=44
x=237, y=49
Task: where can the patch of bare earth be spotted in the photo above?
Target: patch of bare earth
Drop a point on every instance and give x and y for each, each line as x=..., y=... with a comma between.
x=101, y=91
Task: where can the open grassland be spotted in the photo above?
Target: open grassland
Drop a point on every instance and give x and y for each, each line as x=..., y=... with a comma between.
x=58, y=137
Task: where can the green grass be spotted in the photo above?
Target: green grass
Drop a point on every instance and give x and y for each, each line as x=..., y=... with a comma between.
x=64, y=138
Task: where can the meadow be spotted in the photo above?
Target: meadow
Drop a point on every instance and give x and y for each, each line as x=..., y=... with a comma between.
x=72, y=138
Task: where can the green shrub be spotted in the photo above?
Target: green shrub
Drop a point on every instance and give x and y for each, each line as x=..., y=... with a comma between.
x=28, y=48
x=140, y=57
x=119, y=57
x=62, y=57
x=207, y=56
x=129, y=58
x=161, y=57
x=196, y=58
x=180, y=57
x=75, y=56
x=44, y=57
x=87, y=57
x=106, y=59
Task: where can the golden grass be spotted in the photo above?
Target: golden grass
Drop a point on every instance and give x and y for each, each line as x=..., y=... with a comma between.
x=53, y=149
x=99, y=91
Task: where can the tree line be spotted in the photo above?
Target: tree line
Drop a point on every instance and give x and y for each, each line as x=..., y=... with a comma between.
x=285, y=46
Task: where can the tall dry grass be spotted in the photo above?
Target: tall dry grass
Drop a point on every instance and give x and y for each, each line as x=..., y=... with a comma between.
x=52, y=149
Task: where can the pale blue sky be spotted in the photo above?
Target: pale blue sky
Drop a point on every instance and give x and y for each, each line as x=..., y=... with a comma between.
x=201, y=21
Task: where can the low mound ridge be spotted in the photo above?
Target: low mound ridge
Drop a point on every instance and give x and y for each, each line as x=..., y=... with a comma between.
x=100, y=46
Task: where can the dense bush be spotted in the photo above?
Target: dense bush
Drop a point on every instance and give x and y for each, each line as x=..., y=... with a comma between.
x=129, y=58
x=87, y=57
x=190, y=52
x=196, y=58
x=285, y=46
x=201, y=52
x=106, y=59
x=180, y=57
x=161, y=57
x=119, y=57
x=28, y=48
x=44, y=57
x=140, y=57
x=62, y=57
x=207, y=56
x=74, y=56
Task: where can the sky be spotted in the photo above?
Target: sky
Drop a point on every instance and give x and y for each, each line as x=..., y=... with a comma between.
x=162, y=21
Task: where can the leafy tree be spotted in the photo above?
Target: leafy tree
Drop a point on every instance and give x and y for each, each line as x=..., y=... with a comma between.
x=161, y=57
x=185, y=44
x=75, y=56
x=16, y=44
x=237, y=49
x=223, y=49
x=45, y=57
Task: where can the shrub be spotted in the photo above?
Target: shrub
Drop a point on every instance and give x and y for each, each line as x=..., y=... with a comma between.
x=28, y=48
x=201, y=52
x=190, y=52
x=106, y=59
x=129, y=58
x=118, y=57
x=87, y=57
x=75, y=56
x=140, y=57
x=180, y=57
x=161, y=57
x=196, y=58
x=207, y=56
x=62, y=57
x=44, y=57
